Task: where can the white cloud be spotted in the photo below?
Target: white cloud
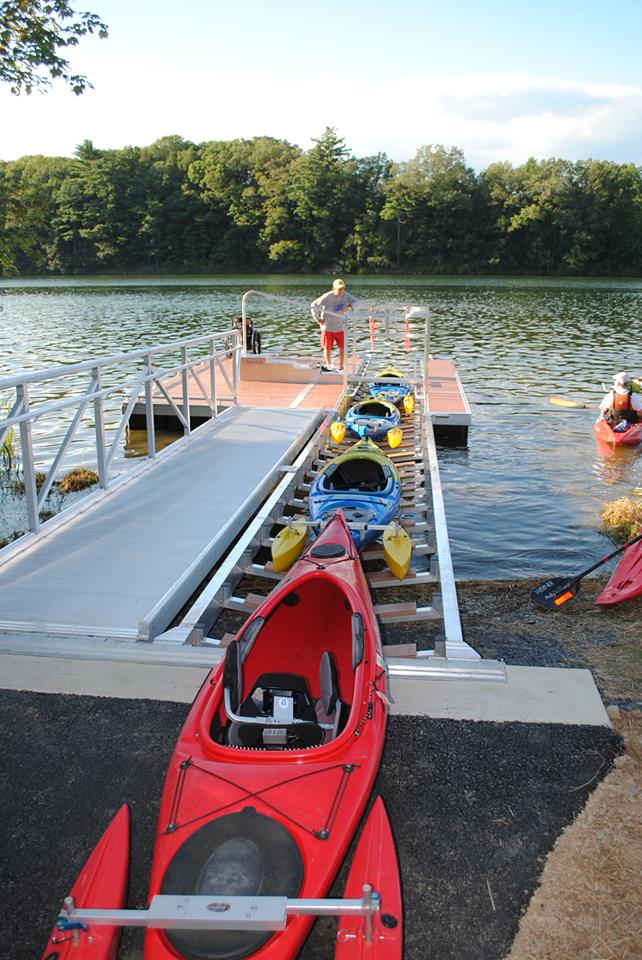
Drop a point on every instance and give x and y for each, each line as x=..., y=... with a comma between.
x=490, y=117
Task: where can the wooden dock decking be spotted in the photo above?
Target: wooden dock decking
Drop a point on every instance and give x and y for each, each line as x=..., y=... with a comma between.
x=298, y=384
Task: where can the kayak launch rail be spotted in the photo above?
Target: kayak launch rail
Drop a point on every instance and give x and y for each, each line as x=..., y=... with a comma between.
x=422, y=516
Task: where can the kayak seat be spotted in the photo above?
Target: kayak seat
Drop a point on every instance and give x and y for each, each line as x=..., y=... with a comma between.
x=371, y=408
x=364, y=475
x=279, y=709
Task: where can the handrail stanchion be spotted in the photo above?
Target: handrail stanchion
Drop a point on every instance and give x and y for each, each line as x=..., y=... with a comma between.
x=149, y=409
x=26, y=451
x=236, y=363
x=244, y=319
x=99, y=419
x=213, y=390
x=184, y=381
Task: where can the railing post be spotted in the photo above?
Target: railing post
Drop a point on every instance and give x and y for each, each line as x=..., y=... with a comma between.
x=236, y=363
x=149, y=409
x=427, y=336
x=354, y=343
x=213, y=390
x=26, y=450
x=244, y=322
x=184, y=381
x=99, y=419
x=185, y=387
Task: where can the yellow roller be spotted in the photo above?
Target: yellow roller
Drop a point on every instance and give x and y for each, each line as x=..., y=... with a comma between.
x=395, y=436
x=397, y=550
x=287, y=545
x=409, y=403
x=338, y=430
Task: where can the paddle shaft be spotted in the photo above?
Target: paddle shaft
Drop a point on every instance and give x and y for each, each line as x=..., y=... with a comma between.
x=561, y=402
x=599, y=563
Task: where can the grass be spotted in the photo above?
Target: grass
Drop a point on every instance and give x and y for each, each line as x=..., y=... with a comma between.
x=77, y=479
x=623, y=518
x=7, y=450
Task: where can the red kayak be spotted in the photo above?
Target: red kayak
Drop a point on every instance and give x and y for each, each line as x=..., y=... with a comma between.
x=374, y=863
x=617, y=438
x=102, y=883
x=277, y=757
x=626, y=582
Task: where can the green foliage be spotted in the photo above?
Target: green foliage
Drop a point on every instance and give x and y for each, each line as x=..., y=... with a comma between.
x=264, y=204
x=34, y=35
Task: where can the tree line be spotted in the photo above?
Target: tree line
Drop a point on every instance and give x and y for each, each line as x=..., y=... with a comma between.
x=266, y=205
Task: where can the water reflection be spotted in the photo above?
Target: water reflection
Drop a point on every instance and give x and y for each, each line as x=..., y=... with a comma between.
x=524, y=499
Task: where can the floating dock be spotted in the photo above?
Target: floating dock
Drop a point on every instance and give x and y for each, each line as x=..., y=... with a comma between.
x=161, y=553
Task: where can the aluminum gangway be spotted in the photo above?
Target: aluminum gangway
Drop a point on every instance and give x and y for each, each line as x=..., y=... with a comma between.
x=119, y=564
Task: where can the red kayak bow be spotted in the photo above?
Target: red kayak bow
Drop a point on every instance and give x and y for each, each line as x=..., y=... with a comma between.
x=626, y=581
x=275, y=762
x=617, y=438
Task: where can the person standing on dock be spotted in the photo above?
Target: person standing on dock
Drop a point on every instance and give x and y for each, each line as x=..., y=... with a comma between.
x=330, y=311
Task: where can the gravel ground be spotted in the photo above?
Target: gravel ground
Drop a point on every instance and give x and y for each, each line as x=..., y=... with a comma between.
x=475, y=807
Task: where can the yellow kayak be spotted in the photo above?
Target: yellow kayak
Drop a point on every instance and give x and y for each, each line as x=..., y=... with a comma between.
x=287, y=545
x=397, y=550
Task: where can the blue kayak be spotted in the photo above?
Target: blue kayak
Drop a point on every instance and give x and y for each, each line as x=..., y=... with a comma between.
x=363, y=483
x=372, y=418
x=392, y=392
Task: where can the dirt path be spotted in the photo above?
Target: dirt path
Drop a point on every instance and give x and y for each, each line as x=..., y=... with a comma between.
x=587, y=905
x=588, y=901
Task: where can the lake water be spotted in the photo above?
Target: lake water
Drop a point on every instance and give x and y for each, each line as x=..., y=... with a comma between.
x=523, y=499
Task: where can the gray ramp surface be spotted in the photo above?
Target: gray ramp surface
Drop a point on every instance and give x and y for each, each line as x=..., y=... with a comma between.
x=103, y=572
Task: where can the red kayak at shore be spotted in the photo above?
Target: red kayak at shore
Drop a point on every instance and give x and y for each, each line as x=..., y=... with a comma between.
x=626, y=581
x=374, y=863
x=102, y=883
x=276, y=760
x=617, y=438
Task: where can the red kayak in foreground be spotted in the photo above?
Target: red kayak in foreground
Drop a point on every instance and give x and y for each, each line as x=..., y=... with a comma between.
x=102, y=883
x=375, y=863
x=626, y=582
x=276, y=760
x=617, y=438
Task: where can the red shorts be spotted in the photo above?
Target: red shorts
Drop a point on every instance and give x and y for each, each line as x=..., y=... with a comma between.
x=330, y=337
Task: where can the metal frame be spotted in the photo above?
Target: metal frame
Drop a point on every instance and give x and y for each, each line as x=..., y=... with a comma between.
x=24, y=412
x=219, y=912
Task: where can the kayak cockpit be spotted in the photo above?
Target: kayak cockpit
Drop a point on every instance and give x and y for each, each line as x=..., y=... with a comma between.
x=288, y=680
x=363, y=473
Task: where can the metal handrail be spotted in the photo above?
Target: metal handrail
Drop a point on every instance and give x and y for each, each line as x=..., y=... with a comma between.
x=386, y=315
x=24, y=413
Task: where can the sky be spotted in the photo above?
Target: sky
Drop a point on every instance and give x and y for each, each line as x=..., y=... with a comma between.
x=502, y=79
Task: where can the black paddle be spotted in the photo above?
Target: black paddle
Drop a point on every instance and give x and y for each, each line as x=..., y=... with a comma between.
x=555, y=592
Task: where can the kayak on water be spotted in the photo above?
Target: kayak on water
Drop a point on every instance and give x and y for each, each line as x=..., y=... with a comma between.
x=374, y=862
x=393, y=392
x=364, y=484
x=617, y=438
x=626, y=581
x=102, y=884
x=276, y=760
x=372, y=418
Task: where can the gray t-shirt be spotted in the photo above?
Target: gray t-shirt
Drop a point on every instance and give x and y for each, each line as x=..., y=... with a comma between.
x=332, y=309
